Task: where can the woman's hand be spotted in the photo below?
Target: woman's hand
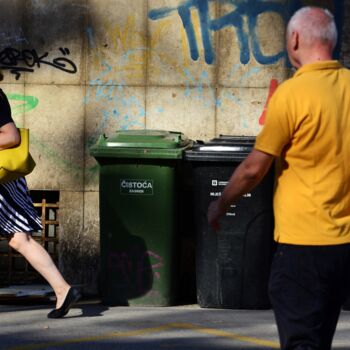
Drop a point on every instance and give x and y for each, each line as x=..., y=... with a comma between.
x=9, y=136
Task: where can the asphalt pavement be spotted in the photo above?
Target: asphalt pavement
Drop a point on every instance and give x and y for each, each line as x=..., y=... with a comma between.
x=91, y=325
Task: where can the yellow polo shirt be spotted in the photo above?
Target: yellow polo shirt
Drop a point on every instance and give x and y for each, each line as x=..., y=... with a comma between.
x=307, y=127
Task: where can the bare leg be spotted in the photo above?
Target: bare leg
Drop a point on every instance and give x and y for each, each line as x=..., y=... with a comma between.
x=38, y=257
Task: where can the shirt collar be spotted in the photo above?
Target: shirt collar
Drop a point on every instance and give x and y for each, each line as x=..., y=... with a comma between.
x=332, y=64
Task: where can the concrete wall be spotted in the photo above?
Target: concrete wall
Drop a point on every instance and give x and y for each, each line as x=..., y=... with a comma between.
x=75, y=69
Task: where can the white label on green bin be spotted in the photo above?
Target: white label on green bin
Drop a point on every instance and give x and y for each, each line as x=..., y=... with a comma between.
x=136, y=186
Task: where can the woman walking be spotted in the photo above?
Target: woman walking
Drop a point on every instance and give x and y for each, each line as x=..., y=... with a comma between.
x=18, y=219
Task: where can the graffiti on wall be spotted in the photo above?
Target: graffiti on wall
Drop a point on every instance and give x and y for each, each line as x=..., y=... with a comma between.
x=109, y=88
x=19, y=61
x=250, y=9
x=272, y=89
x=126, y=47
x=111, y=92
x=9, y=39
x=116, y=104
x=23, y=103
x=242, y=11
x=199, y=21
x=20, y=104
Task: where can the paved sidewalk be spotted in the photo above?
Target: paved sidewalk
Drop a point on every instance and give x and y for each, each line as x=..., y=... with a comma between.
x=91, y=325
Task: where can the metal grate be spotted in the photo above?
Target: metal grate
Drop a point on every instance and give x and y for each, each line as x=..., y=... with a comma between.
x=14, y=269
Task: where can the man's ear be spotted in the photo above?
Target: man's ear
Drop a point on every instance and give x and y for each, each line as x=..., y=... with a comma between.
x=295, y=40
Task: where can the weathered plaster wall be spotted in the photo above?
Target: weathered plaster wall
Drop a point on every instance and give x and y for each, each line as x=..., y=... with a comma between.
x=75, y=69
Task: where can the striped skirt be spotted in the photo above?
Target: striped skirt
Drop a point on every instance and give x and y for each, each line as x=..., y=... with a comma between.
x=17, y=212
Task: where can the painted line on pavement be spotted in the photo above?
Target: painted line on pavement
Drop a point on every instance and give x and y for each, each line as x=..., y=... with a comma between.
x=224, y=334
x=135, y=333
x=92, y=339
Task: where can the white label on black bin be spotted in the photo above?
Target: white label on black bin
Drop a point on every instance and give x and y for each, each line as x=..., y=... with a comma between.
x=136, y=186
x=232, y=210
x=216, y=183
x=216, y=192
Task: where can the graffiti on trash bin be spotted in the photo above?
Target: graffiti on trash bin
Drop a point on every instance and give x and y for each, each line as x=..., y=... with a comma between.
x=135, y=268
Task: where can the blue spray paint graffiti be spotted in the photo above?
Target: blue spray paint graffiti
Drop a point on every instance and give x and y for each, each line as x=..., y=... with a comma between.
x=241, y=15
x=250, y=9
x=127, y=111
x=116, y=104
x=248, y=39
x=197, y=93
x=7, y=39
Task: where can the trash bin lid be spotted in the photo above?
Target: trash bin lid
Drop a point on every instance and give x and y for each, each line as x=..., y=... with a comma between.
x=141, y=144
x=233, y=139
x=222, y=149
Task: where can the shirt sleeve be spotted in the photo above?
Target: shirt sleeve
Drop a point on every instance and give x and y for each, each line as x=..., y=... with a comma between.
x=5, y=110
x=279, y=126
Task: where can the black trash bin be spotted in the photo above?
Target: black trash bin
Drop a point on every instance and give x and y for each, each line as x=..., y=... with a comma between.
x=233, y=265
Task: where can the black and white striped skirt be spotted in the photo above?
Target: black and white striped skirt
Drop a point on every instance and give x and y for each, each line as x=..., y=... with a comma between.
x=17, y=212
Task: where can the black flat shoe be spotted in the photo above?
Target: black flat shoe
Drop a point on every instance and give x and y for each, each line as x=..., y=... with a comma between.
x=72, y=297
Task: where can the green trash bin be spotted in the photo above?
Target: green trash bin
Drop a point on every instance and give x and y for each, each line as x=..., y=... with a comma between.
x=139, y=186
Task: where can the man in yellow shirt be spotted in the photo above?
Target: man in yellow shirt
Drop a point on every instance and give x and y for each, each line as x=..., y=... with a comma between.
x=307, y=132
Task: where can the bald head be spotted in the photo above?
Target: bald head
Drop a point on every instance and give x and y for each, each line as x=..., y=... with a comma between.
x=315, y=25
x=311, y=36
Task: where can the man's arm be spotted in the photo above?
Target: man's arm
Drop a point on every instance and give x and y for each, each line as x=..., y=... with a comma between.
x=247, y=175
